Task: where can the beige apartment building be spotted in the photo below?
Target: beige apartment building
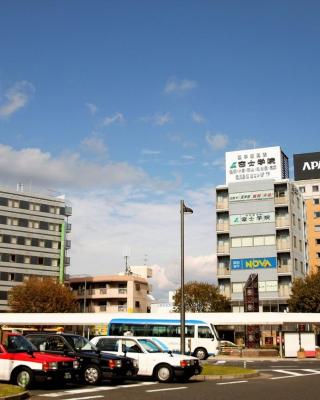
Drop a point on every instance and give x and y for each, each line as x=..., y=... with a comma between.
x=33, y=238
x=307, y=179
x=112, y=293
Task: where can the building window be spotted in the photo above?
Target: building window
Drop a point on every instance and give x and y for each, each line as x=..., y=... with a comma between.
x=27, y=259
x=237, y=287
x=318, y=255
x=300, y=245
x=13, y=240
x=296, y=264
x=317, y=241
x=137, y=286
x=295, y=242
x=317, y=228
x=293, y=219
x=12, y=221
x=302, y=189
x=54, y=262
x=12, y=258
x=315, y=188
x=316, y=214
x=13, y=203
x=28, y=242
x=316, y=201
x=235, y=242
x=299, y=223
x=3, y=295
x=137, y=304
x=301, y=266
x=247, y=241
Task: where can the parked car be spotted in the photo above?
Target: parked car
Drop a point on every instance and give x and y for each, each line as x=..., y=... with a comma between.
x=229, y=348
x=22, y=364
x=93, y=366
x=153, y=360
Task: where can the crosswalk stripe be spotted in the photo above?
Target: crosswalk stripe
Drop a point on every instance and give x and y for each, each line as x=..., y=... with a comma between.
x=314, y=371
x=283, y=371
x=96, y=389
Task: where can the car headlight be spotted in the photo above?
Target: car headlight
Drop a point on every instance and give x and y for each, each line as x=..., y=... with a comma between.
x=115, y=364
x=76, y=364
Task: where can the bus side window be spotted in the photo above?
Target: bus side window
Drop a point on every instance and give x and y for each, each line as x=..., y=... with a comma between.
x=204, y=332
x=189, y=331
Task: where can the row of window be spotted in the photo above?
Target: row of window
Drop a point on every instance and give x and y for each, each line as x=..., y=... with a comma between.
x=249, y=241
x=26, y=241
x=25, y=223
x=21, y=259
x=3, y=295
x=26, y=205
x=11, y=276
x=264, y=286
x=315, y=188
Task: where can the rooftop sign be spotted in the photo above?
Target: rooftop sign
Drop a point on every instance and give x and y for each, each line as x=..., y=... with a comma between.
x=256, y=164
x=306, y=166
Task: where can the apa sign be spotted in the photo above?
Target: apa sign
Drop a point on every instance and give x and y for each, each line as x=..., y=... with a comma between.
x=254, y=263
x=306, y=166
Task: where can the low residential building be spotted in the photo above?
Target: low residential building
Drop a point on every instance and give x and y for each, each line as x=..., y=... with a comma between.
x=111, y=293
x=33, y=238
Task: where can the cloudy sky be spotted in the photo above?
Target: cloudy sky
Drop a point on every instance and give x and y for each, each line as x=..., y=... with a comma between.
x=129, y=106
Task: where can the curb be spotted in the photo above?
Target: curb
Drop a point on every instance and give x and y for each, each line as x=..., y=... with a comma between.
x=223, y=377
x=19, y=396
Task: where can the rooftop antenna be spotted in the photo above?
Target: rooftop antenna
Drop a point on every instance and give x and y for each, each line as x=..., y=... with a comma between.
x=126, y=255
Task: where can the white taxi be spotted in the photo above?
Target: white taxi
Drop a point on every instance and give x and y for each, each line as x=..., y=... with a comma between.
x=153, y=360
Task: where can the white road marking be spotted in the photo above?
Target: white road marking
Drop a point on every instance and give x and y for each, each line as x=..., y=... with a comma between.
x=292, y=374
x=284, y=371
x=87, y=398
x=166, y=389
x=231, y=383
x=96, y=389
x=312, y=370
x=220, y=362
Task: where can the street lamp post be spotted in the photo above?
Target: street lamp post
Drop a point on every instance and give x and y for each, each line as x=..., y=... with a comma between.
x=183, y=210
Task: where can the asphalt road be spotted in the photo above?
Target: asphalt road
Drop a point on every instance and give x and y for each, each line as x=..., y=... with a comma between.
x=279, y=380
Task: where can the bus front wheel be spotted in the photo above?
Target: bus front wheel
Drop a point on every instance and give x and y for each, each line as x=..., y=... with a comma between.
x=201, y=353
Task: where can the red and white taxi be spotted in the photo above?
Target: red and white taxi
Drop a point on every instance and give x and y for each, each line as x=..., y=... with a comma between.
x=22, y=364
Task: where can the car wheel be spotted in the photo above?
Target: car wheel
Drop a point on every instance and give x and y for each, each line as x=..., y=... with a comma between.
x=23, y=377
x=164, y=373
x=201, y=353
x=92, y=374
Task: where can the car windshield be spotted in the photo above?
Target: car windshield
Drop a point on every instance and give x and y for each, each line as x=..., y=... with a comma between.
x=16, y=343
x=149, y=346
x=80, y=343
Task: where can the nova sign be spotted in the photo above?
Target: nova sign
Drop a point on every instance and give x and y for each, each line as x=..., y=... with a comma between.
x=306, y=166
x=254, y=263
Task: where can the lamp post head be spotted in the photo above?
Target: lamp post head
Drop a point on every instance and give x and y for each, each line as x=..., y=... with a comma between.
x=187, y=210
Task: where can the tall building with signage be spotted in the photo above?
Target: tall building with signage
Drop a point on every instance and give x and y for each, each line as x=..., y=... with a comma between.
x=33, y=238
x=260, y=228
x=307, y=178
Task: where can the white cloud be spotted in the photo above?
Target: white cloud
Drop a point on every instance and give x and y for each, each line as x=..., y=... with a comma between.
x=187, y=157
x=94, y=144
x=117, y=118
x=247, y=144
x=198, y=118
x=92, y=108
x=16, y=97
x=217, y=141
x=105, y=223
x=67, y=171
x=149, y=152
x=158, y=119
x=179, y=87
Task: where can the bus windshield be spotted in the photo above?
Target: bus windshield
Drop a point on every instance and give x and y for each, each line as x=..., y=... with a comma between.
x=215, y=331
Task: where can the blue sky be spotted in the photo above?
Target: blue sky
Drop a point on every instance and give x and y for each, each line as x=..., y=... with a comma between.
x=129, y=106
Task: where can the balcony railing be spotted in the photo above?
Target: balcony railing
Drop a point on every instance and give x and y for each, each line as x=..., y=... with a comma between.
x=68, y=227
x=283, y=245
x=122, y=291
x=281, y=200
x=222, y=205
x=122, y=308
x=223, y=249
x=284, y=268
x=222, y=227
x=68, y=244
x=223, y=271
x=103, y=290
x=280, y=222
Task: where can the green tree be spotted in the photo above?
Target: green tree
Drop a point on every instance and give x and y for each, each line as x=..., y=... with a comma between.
x=305, y=294
x=201, y=297
x=42, y=295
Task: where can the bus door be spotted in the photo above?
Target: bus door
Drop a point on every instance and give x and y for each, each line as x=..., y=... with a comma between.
x=205, y=338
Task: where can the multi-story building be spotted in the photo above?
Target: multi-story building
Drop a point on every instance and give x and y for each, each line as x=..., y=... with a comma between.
x=260, y=228
x=33, y=238
x=112, y=293
x=307, y=179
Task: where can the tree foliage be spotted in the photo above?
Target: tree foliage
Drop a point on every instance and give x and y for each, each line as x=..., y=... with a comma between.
x=201, y=297
x=42, y=295
x=305, y=294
